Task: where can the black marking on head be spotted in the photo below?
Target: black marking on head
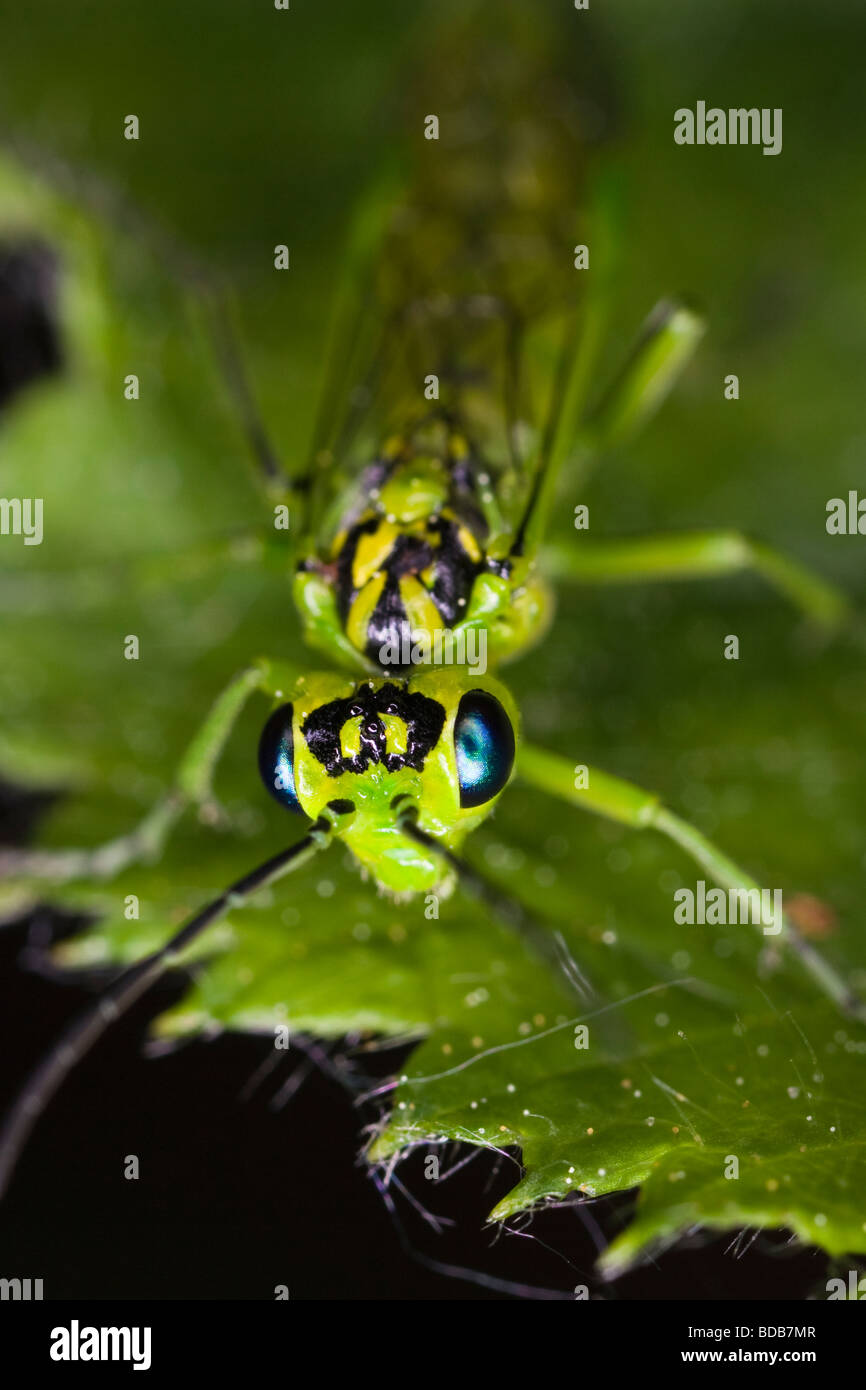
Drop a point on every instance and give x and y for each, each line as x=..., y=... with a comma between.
x=29, y=336
x=341, y=806
x=424, y=719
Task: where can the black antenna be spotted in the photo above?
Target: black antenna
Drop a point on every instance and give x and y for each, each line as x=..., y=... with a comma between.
x=84, y=1031
x=544, y=944
x=231, y=362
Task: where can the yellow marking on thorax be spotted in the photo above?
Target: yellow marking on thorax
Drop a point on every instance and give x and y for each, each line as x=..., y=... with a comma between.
x=372, y=552
x=338, y=543
x=421, y=611
x=469, y=543
x=361, y=611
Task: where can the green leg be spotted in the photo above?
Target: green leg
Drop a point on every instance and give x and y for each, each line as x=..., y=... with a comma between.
x=696, y=555
x=621, y=801
x=664, y=346
x=192, y=787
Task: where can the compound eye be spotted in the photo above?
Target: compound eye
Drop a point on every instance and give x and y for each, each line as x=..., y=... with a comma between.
x=484, y=744
x=277, y=758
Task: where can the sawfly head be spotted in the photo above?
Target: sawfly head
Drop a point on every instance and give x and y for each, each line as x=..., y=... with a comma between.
x=364, y=754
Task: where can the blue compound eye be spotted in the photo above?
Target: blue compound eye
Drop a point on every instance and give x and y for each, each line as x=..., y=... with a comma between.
x=277, y=758
x=484, y=744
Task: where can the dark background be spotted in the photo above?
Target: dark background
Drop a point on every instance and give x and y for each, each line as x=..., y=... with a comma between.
x=235, y=1201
